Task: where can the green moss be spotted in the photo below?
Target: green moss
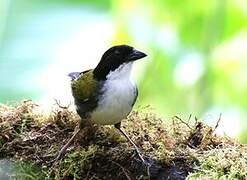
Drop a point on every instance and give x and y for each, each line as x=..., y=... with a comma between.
x=175, y=149
x=224, y=163
x=77, y=163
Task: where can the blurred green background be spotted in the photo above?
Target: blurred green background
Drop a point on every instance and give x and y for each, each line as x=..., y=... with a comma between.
x=197, y=52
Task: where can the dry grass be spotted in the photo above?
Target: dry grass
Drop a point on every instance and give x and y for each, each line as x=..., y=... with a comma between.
x=177, y=149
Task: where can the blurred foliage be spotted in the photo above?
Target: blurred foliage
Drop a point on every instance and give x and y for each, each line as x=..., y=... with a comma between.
x=197, y=50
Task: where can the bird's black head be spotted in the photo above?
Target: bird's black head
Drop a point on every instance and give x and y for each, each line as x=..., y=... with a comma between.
x=114, y=57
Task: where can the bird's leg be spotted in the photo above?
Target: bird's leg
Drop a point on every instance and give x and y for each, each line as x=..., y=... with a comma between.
x=118, y=126
x=65, y=147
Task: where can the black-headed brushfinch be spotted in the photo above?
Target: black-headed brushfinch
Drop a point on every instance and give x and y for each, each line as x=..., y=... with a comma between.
x=105, y=95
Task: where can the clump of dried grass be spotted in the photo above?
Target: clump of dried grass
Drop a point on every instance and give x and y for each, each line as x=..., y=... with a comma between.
x=176, y=149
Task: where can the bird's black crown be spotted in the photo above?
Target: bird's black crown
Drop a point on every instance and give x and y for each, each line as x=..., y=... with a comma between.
x=114, y=57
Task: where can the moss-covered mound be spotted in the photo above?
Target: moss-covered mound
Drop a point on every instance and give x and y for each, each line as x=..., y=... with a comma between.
x=30, y=140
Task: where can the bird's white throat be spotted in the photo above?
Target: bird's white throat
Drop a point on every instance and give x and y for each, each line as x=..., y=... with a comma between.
x=118, y=96
x=122, y=72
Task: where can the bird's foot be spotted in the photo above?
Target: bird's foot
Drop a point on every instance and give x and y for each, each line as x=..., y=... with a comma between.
x=134, y=145
x=146, y=163
x=62, y=152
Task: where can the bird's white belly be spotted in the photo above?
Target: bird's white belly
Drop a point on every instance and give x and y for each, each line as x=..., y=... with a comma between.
x=115, y=103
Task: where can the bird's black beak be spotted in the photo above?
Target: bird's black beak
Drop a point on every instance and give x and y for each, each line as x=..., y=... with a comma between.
x=136, y=55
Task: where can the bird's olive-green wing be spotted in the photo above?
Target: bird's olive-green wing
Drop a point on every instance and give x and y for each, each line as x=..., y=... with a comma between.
x=84, y=90
x=84, y=86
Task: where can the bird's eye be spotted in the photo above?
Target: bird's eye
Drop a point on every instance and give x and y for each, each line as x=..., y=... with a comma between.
x=117, y=52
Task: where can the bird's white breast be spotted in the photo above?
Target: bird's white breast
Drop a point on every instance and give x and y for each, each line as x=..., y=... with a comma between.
x=118, y=96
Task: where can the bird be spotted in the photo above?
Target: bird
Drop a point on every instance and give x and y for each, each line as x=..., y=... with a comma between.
x=106, y=94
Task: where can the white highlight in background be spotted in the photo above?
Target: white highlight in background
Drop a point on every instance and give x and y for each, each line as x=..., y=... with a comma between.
x=189, y=69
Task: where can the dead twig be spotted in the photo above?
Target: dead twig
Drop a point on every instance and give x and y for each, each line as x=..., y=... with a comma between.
x=189, y=118
x=217, y=124
x=60, y=106
x=183, y=122
x=196, y=120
